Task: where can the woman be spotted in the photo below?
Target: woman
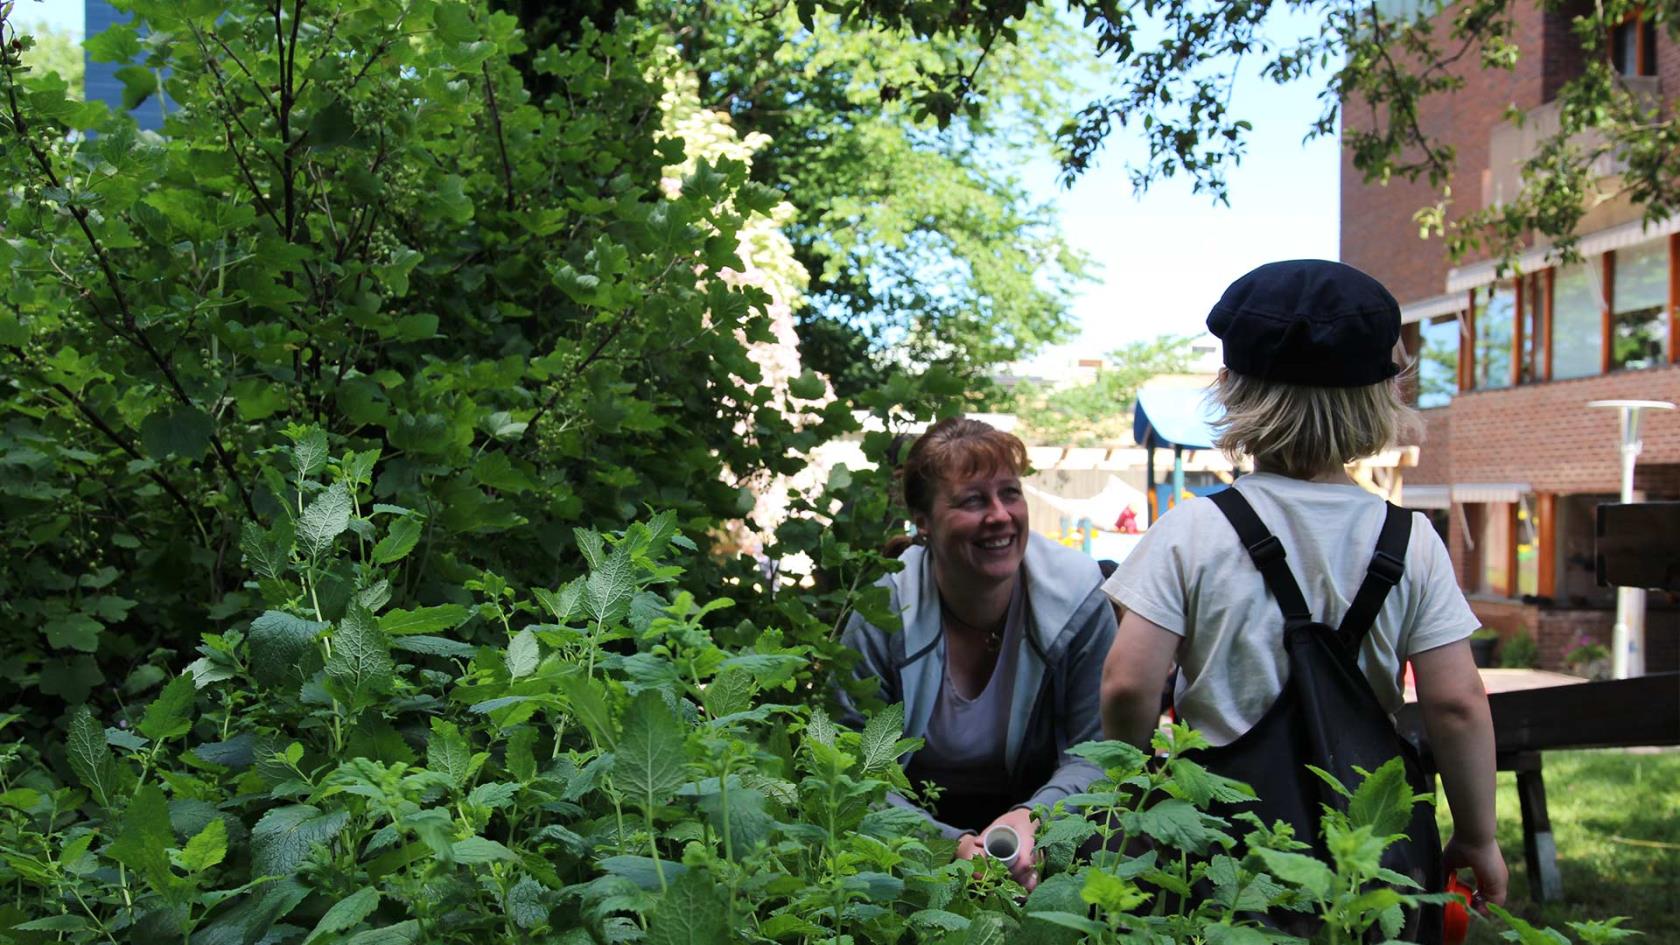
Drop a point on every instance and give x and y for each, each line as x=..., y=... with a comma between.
x=999, y=662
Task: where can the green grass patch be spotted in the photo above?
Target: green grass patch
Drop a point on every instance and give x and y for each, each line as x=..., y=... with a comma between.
x=1616, y=818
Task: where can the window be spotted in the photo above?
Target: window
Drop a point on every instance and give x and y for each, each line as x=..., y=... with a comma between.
x=1495, y=318
x=1639, y=316
x=1633, y=47
x=1532, y=351
x=1438, y=361
x=1490, y=525
x=1577, y=321
x=1528, y=548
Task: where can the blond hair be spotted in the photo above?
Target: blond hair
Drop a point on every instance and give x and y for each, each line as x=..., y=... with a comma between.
x=1306, y=431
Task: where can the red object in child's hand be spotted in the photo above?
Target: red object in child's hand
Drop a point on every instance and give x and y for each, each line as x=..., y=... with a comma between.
x=1456, y=914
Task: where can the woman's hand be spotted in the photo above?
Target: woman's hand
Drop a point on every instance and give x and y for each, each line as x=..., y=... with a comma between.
x=1025, y=868
x=968, y=846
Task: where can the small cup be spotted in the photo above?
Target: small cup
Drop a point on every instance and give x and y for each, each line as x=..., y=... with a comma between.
x=1002, y=844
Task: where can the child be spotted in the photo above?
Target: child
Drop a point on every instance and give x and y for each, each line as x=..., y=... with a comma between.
x=1309, y=385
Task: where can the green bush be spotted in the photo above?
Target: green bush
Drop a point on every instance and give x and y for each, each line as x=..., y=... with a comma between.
x=608, y=762
x=1519, y=652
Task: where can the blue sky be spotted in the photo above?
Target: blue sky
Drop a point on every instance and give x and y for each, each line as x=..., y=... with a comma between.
x=1163, y=259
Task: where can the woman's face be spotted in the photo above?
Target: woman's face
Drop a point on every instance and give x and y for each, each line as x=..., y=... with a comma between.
x=977, y=528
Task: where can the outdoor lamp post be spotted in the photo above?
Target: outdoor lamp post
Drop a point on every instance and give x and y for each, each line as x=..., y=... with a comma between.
x=1627, y=641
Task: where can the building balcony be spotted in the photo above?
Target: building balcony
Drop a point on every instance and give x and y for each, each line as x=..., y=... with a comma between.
x=1510, y=144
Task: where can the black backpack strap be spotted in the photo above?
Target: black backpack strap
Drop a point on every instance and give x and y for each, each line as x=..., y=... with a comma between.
x=1388, y=566
x=1267, y=553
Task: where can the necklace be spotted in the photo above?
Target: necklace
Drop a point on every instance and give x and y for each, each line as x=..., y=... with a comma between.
x=993, y=636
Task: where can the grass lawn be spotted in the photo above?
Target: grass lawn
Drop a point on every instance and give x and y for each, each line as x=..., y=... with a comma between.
x=1616, y=818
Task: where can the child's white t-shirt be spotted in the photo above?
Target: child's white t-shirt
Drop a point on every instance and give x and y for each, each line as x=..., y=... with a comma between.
x=1192, y=576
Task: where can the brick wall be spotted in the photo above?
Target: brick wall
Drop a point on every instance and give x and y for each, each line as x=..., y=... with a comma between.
x=1545, y=435
x=1557, y=632
x=1434, y=467
x=1378, y=234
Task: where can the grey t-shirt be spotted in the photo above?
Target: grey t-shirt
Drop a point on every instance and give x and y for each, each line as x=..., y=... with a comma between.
x=966, y=735
x=1191, y=576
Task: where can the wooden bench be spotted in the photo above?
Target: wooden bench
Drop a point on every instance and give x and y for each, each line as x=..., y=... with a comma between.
x=1621, y=713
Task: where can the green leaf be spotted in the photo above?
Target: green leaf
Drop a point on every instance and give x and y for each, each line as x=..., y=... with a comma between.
x=808, y=386
x=693, y=911
x=332, y=126
x=170, y=714
x=403, y=933
x=399, y=540
x=74, y=631
x=360, y=667
x=1174, y=822
x=398, y=623
x=176, y=431
x=649, y=761
x=207, y=848
x=880, y=738
x=346, y=913
x=309, y=452
x=589, y=705
x=91, y=759
x=280, y=644
x=323, y=519
x=448, y=753
x=281, y=840
x=478, y=850
x=1110, y=893
x=524, y=904
x=1383, y=801
x=146, y=838
x=1299, y=870
x=434, y=646
x=523, y=654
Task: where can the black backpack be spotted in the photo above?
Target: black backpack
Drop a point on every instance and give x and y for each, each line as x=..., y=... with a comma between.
x=1327, y=715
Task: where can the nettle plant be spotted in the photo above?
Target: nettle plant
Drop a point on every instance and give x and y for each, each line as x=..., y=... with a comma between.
x=607, y=763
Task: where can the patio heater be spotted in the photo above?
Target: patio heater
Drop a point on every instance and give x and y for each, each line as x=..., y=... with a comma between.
x=1627, y=642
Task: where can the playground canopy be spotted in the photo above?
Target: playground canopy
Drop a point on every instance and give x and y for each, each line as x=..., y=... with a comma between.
x=1174, y=417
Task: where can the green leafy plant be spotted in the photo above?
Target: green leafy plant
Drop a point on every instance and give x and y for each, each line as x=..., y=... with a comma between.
x=1519, y=652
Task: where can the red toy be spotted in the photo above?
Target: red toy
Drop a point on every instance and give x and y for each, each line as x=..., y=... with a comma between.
x=1456, y=915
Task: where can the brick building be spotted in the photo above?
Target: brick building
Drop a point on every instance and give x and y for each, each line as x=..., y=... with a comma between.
x=1513, y=461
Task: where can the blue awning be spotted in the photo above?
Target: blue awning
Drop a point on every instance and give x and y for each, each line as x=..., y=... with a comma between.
x=1174, y=416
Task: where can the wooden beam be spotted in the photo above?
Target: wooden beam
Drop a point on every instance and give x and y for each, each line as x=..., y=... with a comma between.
x=1549, y=286
x=1674, y=298
x=1607, y=265
x=1513, y=587
x=1518, y=311
x=1545, y=539
x=1467, y=345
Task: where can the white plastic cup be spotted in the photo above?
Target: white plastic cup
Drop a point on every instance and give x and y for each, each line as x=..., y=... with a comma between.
x=1001, y=843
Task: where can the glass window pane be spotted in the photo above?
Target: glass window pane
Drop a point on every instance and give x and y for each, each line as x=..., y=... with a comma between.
x=1528, y=548
x=1438, y=361
x=1495, y=317
x=1494, y=549
x=1577, y=321
x=1534, y=306
x=1639, y=331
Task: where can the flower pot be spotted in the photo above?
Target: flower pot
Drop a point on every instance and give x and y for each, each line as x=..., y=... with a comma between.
x=1481, y=649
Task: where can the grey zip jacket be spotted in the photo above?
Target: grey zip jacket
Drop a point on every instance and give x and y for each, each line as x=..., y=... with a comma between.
x=1058, y=674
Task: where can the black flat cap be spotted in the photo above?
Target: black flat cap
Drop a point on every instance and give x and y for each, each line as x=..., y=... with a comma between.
x=1308, y=321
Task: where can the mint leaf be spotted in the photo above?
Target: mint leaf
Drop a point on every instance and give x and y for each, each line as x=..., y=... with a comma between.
x=346, y=913
x=523, y=654
x=398, y=623
x=360, y=667
x=324, y=519
x=692, y=912
x=91, y=759
x=170, y=714
x=207, y=848
x=280, y=644
x=399, y=540
x=649, y=762
x=281, y=840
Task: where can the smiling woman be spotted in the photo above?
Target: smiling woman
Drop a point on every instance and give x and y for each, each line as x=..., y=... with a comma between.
x=999, y=661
